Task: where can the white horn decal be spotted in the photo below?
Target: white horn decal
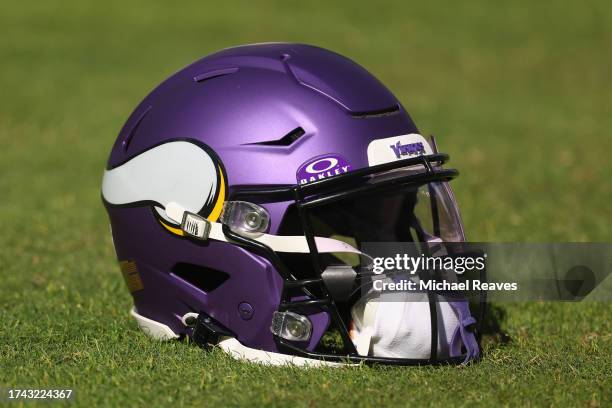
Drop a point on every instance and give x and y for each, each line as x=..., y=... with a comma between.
x=178, y=171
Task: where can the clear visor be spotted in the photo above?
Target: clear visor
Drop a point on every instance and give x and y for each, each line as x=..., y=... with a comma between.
x=425, y=213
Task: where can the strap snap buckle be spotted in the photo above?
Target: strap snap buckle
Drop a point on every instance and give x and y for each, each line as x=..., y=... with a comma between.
x=195, y=226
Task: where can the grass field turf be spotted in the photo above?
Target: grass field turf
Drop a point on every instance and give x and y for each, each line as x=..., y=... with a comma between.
x=518, y=93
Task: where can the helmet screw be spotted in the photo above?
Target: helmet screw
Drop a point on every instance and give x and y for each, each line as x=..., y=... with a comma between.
x=245, y=310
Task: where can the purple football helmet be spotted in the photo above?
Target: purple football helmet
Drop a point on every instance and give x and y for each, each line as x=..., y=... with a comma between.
x=240, y=193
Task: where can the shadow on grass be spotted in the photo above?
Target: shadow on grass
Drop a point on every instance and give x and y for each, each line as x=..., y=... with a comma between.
x=492, y=326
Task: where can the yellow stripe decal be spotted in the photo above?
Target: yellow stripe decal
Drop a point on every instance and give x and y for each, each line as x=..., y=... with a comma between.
x=216, y=211
x=172, y=229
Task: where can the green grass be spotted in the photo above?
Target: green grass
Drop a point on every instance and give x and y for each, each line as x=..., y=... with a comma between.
x=518, y=92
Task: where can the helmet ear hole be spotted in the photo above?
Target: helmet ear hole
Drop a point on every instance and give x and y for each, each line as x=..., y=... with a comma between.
x=203, y=278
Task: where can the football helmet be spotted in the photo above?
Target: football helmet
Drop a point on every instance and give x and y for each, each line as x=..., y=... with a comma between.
x=241, y=192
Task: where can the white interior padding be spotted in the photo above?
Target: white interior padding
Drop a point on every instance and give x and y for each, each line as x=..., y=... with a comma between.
x=241, y=352
x=157, y=330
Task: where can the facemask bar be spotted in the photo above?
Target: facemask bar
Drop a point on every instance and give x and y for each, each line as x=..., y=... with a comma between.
x=319, y=193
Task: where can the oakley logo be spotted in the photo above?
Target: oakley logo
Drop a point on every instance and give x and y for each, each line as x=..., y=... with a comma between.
x=410, y=149
x=321, y=165
x=319, y=168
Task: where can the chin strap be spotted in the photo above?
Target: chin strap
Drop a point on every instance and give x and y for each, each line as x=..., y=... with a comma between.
x=464, y=334
x=198, y=227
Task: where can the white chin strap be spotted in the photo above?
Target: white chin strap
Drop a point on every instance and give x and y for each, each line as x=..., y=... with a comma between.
x=278, y=243
x=398, y=325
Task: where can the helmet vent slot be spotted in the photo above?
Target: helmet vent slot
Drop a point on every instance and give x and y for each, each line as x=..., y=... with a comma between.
x=285, y=141
x=203, y=278
x=376, y=113
x=205, y=76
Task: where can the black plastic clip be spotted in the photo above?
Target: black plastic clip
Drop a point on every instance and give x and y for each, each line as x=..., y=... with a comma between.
x=208, y=332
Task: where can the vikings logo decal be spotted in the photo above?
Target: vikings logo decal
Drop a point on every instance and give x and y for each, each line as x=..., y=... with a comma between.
x=186, y=172
x=395, y=148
